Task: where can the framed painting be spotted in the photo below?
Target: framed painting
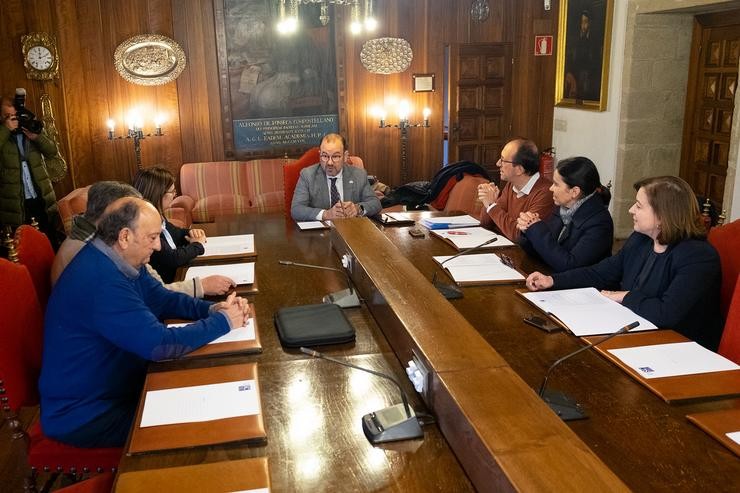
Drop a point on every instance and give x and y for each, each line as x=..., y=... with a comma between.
x=278, y=92
x=584, y=39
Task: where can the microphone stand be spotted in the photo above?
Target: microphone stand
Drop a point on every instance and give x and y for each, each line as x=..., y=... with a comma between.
x=398, y=422
x=346, y=298
x=450, y=291
x=565, y=406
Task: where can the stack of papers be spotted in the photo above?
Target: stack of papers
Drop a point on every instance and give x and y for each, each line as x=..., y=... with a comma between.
x=470, y=237
x=671, y=360
x=585, y=311
x=200, y=403
x=240, y=273
x=484, y=268
x=234, y=245
x=464, y=221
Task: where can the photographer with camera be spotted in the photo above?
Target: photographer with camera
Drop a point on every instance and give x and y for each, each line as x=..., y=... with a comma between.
x=25, y=188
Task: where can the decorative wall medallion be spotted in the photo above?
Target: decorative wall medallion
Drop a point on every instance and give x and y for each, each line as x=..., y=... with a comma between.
x=386, y=55
x=149, y=60
x=479, y=10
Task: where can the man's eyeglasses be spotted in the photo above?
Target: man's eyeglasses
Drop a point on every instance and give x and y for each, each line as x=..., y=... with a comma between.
x=335, y=158
x=502, y=160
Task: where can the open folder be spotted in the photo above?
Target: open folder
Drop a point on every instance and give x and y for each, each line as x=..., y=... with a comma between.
x=242, y=340
x=203, y=406
x=480, y=269
x=227, y=247
x=242, y=274
x=585, y=311
x=463, y=238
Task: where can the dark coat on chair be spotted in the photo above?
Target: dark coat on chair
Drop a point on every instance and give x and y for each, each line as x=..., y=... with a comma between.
x=587, y=240
x=166, y=261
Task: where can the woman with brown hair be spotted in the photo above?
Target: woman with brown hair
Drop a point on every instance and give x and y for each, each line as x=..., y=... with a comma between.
x=666, y=272
x=178, y=245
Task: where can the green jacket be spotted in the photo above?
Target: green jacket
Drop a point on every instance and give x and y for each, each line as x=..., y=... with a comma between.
x=11, y=184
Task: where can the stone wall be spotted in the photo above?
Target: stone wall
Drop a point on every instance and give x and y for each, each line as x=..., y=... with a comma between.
x=656, y=61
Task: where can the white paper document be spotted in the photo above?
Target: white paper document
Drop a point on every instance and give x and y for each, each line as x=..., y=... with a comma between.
x=734, y=436
x=229, y=245
x=447, y=222
x=303, y=225
x=464, y=238
x=397, y=216
x=481, y=267
x=587, y=312
x=200, y=403
x=242, y=273
x=670, y=360
x=244, y=333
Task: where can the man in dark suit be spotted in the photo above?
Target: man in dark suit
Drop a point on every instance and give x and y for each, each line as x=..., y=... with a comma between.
x=331, y=190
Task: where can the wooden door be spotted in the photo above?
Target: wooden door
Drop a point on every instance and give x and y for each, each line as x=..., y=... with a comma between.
x=479, y=102
x=710, y=102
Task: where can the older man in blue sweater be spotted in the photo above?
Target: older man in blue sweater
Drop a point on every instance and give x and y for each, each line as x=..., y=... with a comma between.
x=104, y=322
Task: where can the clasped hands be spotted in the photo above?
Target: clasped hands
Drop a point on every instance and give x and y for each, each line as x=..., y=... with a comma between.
x=488, y=194
x=341, y=210
x=526, y=219
x=236, y=310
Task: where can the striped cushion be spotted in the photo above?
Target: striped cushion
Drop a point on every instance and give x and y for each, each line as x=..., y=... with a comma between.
x=207, y=209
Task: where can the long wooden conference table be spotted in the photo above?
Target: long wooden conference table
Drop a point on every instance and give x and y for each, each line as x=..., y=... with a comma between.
x=492, y=433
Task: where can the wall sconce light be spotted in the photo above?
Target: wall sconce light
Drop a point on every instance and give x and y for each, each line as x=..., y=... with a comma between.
x=361, y=14
x=136, y=132
x=404, y=110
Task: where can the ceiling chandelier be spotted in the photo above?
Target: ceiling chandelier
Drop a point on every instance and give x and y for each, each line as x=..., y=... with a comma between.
x=361, y=14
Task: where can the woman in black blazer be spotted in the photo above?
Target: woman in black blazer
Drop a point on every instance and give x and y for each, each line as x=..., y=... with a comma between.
x=581, y=231
x=178, y=245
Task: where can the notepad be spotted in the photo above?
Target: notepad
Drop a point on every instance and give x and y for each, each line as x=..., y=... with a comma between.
x=462, y=238
x=673, y=359
x=242, y=273
x=585, y=311
x=200, y=403
x=244, y=333
x=477, y=269
x=233, y=245
x=447, y=222
x=305, y=225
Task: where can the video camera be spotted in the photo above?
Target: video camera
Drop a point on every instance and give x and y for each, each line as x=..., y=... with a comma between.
x=26, y=119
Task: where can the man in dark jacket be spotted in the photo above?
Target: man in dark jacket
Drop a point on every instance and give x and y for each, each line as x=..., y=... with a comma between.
x=25, y=188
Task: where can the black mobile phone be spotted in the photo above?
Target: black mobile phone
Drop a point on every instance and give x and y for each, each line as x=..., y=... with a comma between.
x=542, y=323
x=416, y=233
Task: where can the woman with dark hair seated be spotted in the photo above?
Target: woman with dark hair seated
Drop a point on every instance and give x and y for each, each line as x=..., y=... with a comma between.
x=666, y=272
x=580, y=232
x=178, y=246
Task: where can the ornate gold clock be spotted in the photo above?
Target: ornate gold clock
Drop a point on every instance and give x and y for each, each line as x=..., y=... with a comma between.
x=40, y=56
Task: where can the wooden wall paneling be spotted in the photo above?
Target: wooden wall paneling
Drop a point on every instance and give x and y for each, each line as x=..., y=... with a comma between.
x=534, y=79
x=201, y=130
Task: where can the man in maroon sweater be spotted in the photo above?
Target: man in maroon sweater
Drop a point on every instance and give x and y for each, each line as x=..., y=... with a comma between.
x=525, y=190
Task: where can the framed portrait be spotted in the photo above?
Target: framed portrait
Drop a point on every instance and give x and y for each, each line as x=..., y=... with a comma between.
x=584, y=39
x=423, y=82
x=279, y=93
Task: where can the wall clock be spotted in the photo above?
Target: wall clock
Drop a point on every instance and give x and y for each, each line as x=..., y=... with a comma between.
x=40, y=56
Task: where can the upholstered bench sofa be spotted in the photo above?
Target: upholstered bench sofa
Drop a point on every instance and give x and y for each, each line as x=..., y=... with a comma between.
x=212, y=189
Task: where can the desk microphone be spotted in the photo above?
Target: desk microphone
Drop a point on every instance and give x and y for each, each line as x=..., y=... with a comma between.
x=450, y=291
x=398, y=422
x=346, y=298
x=564, y=406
